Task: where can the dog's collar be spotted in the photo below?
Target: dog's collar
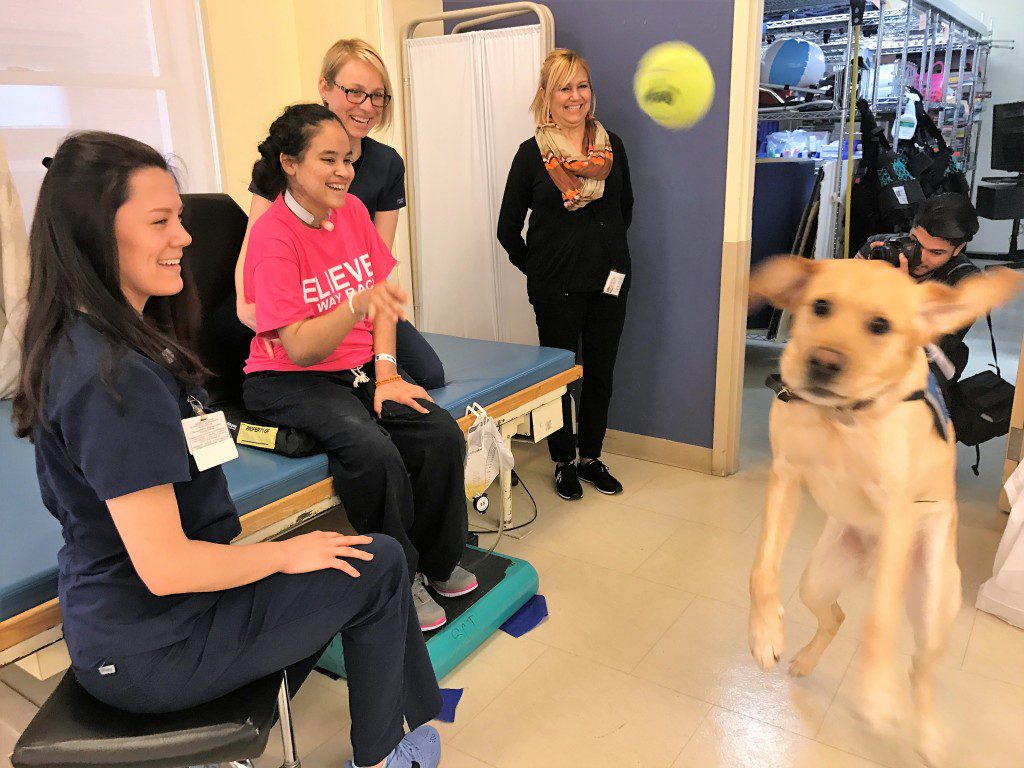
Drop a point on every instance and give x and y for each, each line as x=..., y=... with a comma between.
x=785, y=394
x=939, y=417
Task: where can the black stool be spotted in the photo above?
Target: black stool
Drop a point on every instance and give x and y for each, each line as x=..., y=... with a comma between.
x=74, y=730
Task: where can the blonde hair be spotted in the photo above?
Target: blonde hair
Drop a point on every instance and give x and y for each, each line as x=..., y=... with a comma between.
x=342, y=52
x=557, y=69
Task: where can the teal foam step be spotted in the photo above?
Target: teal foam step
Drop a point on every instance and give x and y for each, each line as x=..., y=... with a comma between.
x=506, y=583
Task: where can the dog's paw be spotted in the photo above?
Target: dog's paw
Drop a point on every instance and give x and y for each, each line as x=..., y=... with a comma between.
x=804, y=662
x=766, y=636
x=931, y=743
x=878, y=704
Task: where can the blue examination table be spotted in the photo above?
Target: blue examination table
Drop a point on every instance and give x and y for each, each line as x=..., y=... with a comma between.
x=505, y=377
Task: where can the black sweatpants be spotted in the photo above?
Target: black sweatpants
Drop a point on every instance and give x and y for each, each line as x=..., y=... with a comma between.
x=401, y=474
x=286, y=622
x=591, y=324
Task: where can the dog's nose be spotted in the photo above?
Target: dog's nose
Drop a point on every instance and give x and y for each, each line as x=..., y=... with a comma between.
x=825, y=364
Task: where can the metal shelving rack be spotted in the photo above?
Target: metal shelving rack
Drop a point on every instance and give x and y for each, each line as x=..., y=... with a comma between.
x=924, y=31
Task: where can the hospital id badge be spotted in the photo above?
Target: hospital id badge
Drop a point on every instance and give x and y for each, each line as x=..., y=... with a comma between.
x=613, y=284
x=208, y=440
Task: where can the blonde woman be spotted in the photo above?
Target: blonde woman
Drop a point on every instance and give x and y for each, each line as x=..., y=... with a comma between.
x=573, y=177
x=354, y=84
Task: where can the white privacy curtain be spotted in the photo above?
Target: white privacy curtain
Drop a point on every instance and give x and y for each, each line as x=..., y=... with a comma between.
x=470, y=111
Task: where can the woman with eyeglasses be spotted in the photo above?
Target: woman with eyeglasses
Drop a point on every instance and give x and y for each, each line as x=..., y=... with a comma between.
x=354, y=85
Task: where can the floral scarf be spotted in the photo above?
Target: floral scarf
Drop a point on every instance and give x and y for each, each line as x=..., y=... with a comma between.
x=579, y=177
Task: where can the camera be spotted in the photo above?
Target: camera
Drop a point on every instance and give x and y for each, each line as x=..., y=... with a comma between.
x=891, y=250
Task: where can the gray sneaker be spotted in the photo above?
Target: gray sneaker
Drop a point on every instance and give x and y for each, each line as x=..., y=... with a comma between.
x=460, y=583
x=430, y=614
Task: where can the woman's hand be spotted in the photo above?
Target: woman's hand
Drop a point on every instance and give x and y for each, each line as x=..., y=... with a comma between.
x=383, y=303
x=403, y=392
x=320, y=550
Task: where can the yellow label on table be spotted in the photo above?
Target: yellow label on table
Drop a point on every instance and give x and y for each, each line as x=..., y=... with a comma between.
x=257, y=436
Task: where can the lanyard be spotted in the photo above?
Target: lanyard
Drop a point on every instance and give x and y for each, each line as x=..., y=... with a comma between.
x=197, y=406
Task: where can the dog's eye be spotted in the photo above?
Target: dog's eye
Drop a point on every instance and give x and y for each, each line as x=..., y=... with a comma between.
x=822, y=308
x=879, y=326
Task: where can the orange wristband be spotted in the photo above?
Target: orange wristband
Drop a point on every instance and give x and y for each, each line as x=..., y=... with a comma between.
x=388, y=380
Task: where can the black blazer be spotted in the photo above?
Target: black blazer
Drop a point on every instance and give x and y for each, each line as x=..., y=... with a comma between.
x=565, y=251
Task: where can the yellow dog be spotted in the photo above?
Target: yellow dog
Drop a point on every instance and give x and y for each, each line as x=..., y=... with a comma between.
x=860, y=433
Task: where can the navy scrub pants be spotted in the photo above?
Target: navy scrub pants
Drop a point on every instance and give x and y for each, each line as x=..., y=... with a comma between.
x=418, y=358
x=401, y=474
x=286, y=622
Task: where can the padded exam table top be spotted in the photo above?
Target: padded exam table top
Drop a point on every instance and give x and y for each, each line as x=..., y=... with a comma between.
x=476, y=371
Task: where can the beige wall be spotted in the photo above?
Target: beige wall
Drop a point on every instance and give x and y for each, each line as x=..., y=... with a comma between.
x=319, y=23
x=252, y=53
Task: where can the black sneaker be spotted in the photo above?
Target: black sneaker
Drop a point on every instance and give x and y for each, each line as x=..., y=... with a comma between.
x=567, y=484
x=596, y=473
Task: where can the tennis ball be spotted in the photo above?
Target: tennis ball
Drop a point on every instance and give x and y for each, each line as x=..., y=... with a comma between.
x=673, y=84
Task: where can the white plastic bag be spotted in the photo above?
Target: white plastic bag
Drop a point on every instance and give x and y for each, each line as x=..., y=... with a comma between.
x=487, y=453
x=1003, y=594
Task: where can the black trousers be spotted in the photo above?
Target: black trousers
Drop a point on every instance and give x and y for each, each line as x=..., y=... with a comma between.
x=286, y=622
x=590, y=325
x=401, y=474
x=418, y=358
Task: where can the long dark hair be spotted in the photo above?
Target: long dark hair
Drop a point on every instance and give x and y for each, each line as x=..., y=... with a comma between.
x=290, y=135
x=75, y=269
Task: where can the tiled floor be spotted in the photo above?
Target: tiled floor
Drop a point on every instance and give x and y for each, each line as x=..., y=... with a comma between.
x=643, y=660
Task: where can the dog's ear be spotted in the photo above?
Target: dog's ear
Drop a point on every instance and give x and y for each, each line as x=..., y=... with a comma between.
x=781, y=281
x=946, y=309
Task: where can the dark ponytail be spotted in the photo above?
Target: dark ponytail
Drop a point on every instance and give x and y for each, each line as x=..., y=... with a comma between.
x=290, y=135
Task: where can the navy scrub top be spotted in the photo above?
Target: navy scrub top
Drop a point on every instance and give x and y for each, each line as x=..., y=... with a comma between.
x=94, y=447
x=379, y=182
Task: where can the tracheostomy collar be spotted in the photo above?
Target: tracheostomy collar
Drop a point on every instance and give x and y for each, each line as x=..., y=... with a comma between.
x=305, y=216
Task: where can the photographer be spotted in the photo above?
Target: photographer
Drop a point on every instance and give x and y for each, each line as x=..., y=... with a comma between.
x=934, y=250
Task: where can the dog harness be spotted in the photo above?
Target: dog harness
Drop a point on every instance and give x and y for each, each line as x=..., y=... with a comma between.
x=931, y=396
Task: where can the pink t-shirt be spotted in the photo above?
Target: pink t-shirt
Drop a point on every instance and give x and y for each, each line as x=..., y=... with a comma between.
x=293, y=272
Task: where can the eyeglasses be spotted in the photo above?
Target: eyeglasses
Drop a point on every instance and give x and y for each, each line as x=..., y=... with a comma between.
x=355, y=96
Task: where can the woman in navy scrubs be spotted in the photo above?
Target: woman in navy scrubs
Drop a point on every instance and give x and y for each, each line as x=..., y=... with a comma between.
x=160, y=613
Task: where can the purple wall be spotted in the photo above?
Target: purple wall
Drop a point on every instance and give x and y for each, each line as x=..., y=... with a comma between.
x=665, y=377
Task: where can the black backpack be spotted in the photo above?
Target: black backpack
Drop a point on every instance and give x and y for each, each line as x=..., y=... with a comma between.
x=980, y=405
x=886, y=193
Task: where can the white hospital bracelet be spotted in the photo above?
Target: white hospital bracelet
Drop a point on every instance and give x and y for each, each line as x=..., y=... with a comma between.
x=352, y=308
x=383, y=356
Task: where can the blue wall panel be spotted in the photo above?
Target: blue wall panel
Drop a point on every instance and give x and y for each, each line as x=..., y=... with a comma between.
x=665, y=379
